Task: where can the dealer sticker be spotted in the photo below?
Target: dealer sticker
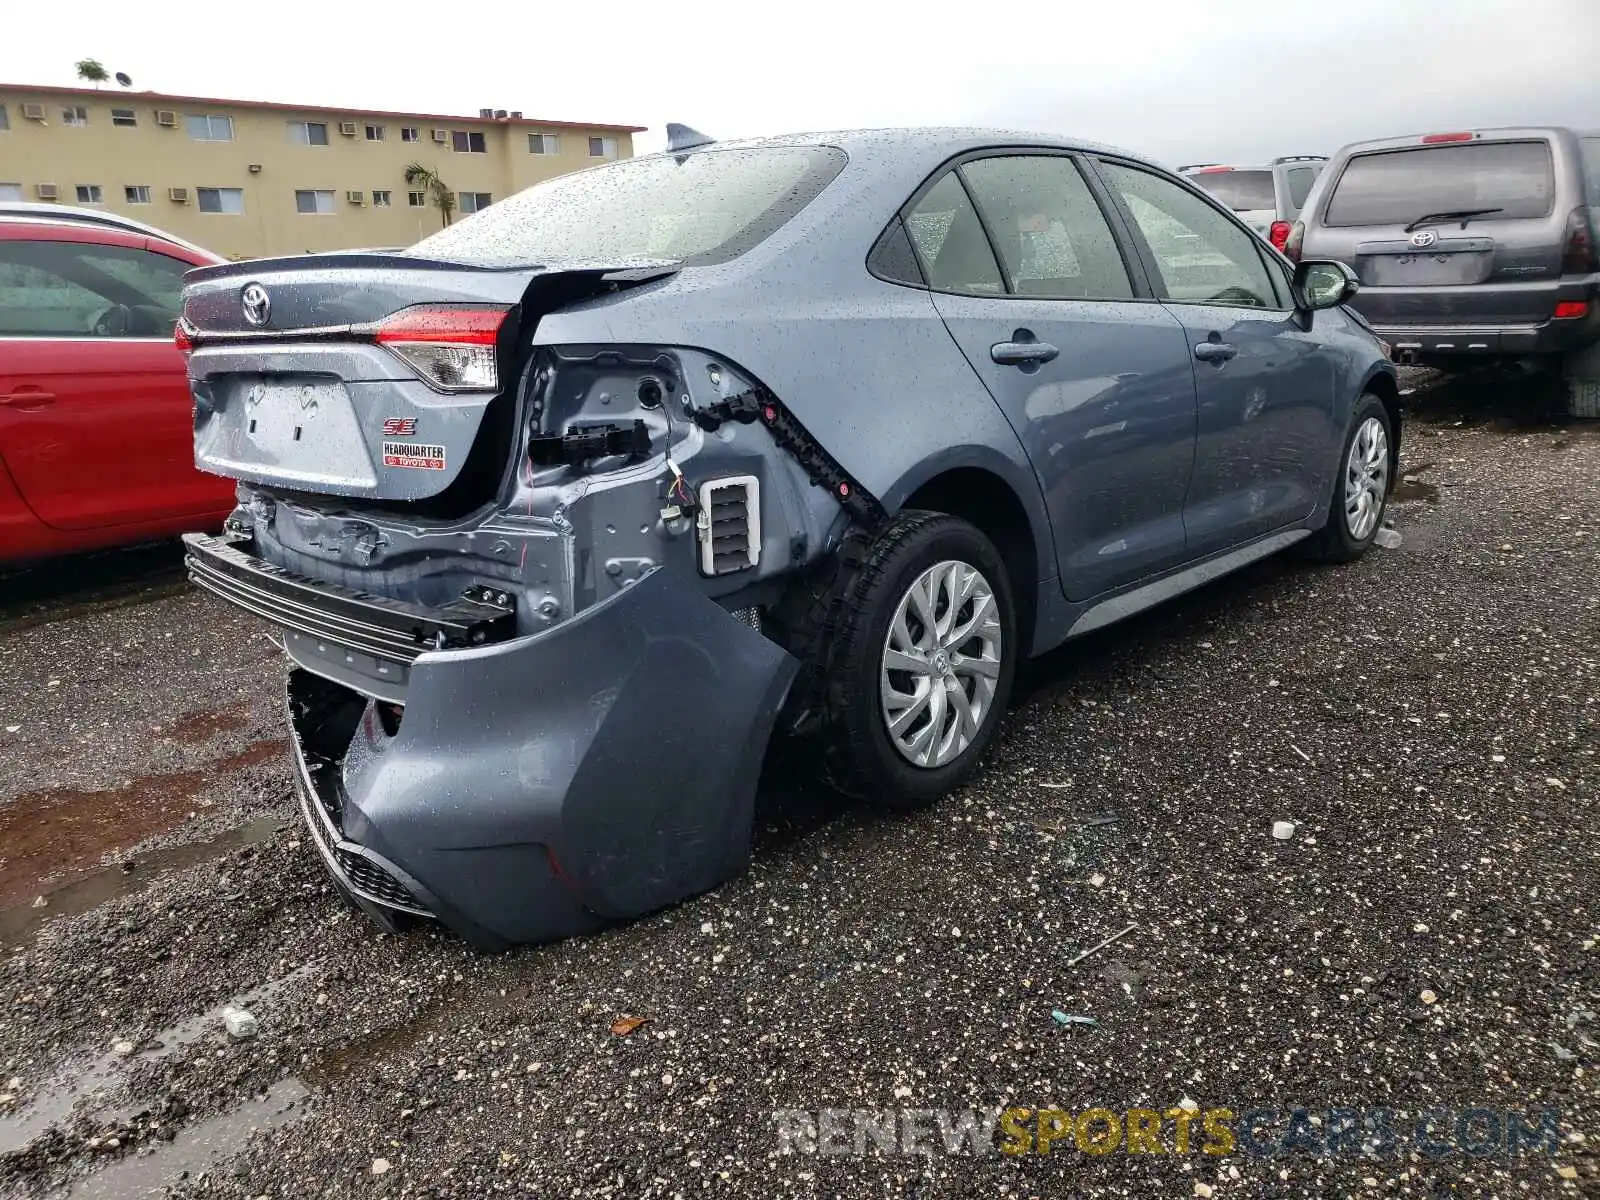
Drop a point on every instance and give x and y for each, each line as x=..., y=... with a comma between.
x=414, y=455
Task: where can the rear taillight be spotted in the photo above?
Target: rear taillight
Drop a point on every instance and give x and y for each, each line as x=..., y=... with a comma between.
x=1278, y=235
x=180, y=339
x=1434, y=139
x=1291, y=243
x=1569, y=310
x=452, y=346
x=1577, y=246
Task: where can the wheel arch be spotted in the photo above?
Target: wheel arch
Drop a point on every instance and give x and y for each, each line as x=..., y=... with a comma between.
x=1386, y=387
x=985, y=490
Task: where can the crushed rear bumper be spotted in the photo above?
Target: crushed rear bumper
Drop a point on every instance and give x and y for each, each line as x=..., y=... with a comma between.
x=533, y=787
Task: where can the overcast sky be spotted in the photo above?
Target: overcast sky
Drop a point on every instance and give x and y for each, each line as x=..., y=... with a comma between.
x=1181, y=80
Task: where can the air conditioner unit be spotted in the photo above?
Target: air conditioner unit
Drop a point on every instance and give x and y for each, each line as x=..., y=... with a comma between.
x=348, y=128
x=46, y=191
x=441, y=135
x=356, y=197
x=178, y=195
x=165, y=116
x=33, y=112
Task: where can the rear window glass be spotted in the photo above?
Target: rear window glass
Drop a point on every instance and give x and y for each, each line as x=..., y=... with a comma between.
x=1241, y=191
x=700, y=208
x=1396, y=187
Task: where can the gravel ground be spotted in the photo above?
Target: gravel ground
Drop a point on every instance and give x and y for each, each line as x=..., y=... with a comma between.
x=1427, y=717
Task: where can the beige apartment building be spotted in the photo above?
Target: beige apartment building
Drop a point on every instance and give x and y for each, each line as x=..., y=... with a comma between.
x=246, y=178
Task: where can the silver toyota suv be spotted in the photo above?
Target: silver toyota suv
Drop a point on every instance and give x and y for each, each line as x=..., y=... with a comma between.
x=1267, y=198
x=1471, y=246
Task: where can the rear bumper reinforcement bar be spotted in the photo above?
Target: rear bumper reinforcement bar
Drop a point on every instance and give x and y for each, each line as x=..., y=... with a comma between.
x=377, y=625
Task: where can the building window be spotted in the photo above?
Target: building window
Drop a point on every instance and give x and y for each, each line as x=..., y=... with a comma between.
x=229, y=201
x=544, y=143
x=471, y=202
x=417, y=199
x=408, y=134
x=5, y=119
x=382, y=199
x=468, y=143
x=10, y=191
x=209, y=128
x=89, y=193
x=374, y=133
x=313, y=202
x=136, y=194
x=602, y=147
x=308, y=133
x=124, y=117
x=76, y=115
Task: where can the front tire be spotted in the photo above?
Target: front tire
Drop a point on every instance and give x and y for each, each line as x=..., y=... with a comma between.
x=1361, y=486
x=922, y=662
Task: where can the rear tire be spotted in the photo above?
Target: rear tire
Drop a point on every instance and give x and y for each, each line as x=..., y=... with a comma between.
x=928, y=615
x=1362, y=482
x=1581, y=379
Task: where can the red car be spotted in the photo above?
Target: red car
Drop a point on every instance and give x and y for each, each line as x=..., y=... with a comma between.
x=96, y=419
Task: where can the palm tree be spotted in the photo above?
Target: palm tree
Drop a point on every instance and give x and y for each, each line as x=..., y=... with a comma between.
x=419, y=176
x=90, y=70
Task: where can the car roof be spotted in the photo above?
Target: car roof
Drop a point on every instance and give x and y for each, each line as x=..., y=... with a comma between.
x=63, y=214
x=921, y=140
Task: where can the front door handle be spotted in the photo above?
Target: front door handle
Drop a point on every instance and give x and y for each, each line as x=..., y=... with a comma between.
x=1022, y=353
x=27, y=399
x=1214, y=352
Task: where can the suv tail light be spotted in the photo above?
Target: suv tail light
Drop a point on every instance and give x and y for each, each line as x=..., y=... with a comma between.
x=1569, y=310
x=452, y=346
x=1278, y=235
x=180, y=339
x=1291, y=243
x=1577, y=247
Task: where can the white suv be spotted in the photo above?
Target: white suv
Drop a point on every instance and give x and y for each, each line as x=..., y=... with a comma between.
x=1267, y=198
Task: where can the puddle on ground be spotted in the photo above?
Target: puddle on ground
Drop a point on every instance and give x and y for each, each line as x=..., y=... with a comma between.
x=66, y=831
x=93, y=1083
x=195, y=728
x=1412, y=487
x=196, y=1148
x=21, y=921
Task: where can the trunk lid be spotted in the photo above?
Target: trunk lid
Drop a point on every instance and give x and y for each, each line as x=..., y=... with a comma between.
x=297, y=386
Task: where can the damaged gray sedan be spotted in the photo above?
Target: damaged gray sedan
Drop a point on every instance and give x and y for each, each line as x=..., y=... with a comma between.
x=566, y=511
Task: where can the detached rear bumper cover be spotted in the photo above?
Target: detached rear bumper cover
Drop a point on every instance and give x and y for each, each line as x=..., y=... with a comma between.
x=542, y=786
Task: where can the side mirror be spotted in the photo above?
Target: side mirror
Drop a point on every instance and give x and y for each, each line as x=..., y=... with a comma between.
x=1323, y=283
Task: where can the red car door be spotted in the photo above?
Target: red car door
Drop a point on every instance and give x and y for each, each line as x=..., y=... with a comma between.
x=96, y=424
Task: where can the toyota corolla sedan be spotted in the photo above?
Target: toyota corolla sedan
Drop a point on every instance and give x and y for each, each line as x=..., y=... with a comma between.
x=564, y=512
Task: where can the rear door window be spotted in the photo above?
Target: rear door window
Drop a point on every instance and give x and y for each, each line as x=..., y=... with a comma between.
x=1242, y=191
x=1053, y=239
x=1396, y=187
x=1590, y=147
x=950, y=241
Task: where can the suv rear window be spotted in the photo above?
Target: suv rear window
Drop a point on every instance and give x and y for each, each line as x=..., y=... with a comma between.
x=1395, y=187
x=699, y=208
x=1591, y=169
x=1241, y=191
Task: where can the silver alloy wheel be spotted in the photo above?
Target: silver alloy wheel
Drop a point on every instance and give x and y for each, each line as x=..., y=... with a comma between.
x=1366, y=479
x=941, y=663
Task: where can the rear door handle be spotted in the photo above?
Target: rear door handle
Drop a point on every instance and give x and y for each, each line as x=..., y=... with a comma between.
x=1214, y=352
x=27, y=399
x=1024, y=353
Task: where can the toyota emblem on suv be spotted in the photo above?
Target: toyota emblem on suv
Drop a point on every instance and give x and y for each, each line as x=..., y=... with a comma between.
x=256, y=303
x=1421, y=239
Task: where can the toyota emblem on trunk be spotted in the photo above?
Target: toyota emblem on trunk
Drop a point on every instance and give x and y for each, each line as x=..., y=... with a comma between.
x=256, y=303
x=1421, y=239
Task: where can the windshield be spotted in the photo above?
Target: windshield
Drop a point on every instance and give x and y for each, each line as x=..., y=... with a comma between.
x=1396, y=187
x=699, y=208
x=1242, y=191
